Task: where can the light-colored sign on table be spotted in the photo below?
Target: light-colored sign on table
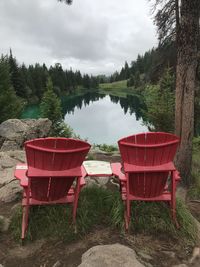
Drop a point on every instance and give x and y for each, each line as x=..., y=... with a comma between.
x=97, y=168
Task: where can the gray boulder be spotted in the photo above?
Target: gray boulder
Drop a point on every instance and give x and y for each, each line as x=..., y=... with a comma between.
x=110, y=256
x=4, y=224
x=37, y=128
x=12, y=128
x=14, y=132
x=10, y=191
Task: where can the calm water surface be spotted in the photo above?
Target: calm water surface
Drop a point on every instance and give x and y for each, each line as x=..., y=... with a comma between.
x=103, y=120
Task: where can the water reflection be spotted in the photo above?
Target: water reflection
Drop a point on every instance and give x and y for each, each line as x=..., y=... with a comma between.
x=103, y=118
x=131, y=104
x=71, y=102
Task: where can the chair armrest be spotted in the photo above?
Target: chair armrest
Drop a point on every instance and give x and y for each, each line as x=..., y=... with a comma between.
x=84, y=174
x=20, y=174
x=82, y=181
x=176, y=176
x=116, y=170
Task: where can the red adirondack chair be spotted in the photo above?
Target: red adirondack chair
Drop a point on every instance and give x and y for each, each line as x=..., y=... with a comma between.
x=53, y=165
x=147, y=166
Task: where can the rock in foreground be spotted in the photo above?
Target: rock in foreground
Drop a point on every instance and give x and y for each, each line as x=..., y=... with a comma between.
x=110, y=256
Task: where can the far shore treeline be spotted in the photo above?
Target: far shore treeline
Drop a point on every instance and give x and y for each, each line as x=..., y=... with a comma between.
x=150, y=76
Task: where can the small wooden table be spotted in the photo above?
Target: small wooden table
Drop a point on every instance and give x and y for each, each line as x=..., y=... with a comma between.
x=97, y=168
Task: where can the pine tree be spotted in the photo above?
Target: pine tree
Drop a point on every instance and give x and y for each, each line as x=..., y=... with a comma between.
x=160, y=102
x=50, y=106
x=10, y=105
x=16, y=77
x=127, y=72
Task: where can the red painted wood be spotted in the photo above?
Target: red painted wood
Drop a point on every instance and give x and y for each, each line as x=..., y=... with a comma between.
x=53, y=165
x=46, y=153
x=34, y=172
x=58, y=187
x=147, y=159
x=148, y=149
x=39, y=188
x=157, y=168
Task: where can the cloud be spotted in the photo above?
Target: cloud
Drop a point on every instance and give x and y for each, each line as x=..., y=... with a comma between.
x=93, y=36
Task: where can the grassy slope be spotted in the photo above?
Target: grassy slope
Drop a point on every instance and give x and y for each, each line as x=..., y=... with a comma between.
x=119, y=89
x=98, y=206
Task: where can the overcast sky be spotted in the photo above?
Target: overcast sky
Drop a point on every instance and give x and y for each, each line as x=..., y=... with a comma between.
x=94, y=36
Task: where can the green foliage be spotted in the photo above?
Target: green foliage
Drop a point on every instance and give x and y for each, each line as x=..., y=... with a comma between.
x=118, y=88
x=50, y=106
x=62, y=129
x=197, y=111
x=148, y=68
x=160, y=103
x=56, y=221
x=135, y=80
x=90, y=157
x=196, y=144
x=10, y=104
x=115, y=85
x=98, y=206
x=107, y=148
x=155, y=218
x=159, y=220
x=194, y=190
x=30, y=82
x=16, y=77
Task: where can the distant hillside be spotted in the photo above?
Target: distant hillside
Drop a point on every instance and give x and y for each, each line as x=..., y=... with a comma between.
x=147, y=68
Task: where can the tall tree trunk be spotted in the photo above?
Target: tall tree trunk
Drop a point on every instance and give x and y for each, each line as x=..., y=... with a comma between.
x=187, y=47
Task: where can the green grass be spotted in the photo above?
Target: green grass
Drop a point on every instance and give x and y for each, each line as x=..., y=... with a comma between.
x=155, y=218
x=194, y=190
x=98, y=206
x=114, y=85
x=119, y=89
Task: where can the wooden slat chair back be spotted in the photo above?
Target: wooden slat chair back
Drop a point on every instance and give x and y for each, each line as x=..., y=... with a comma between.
x=147, y=185
x=53, y=165
x=148, y=149
x=50, y=189
x=53, y=154
x=147, y=163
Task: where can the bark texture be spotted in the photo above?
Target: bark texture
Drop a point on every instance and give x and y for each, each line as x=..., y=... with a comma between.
x=187, y=49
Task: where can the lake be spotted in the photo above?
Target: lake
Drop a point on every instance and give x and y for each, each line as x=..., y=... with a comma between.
x=104, y=119
x=99, y=118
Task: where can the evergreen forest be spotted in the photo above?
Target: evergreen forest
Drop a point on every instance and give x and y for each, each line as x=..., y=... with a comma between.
x=22, y=85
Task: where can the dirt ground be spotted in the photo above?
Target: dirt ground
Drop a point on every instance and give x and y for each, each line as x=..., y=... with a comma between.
x=45, y=253
x=157, y=251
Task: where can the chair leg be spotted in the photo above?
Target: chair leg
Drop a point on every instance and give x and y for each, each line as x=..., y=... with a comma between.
x=127, y=214
x=75, y=204
x=75, y=209
x=173, y=212
x=173, y=199
x=25, y=214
